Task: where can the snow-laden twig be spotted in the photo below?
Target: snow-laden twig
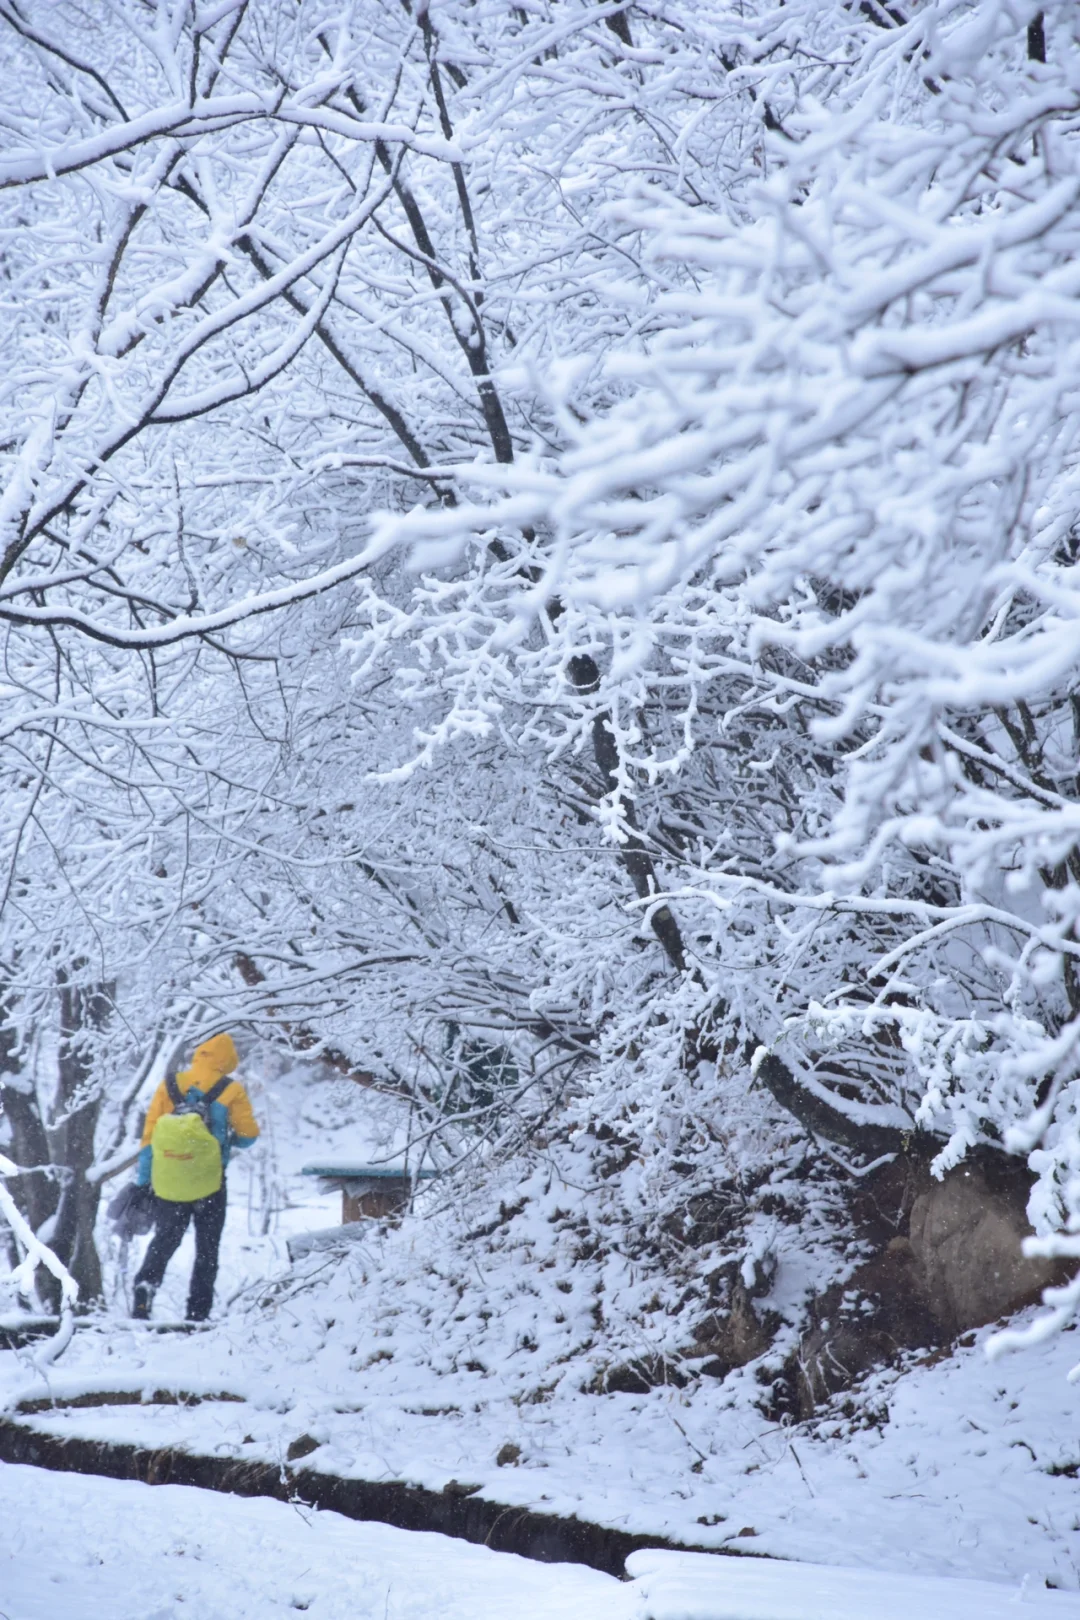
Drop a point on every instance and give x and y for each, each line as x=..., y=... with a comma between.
x=34, y=1254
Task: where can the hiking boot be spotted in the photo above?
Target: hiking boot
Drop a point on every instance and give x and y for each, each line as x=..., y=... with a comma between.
x=143, y=1299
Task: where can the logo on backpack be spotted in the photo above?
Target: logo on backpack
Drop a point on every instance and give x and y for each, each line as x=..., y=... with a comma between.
x=186, y=1162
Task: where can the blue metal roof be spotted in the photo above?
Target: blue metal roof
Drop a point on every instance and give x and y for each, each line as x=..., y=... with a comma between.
x=344, y=1171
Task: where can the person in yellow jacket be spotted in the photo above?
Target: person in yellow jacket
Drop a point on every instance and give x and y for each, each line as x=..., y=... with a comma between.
x=207, y=1100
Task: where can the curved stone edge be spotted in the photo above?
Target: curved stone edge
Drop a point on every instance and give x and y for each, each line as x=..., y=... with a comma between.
x=544, y=1537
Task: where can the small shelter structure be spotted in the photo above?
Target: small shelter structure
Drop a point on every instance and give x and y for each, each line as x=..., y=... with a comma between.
x=368, y=1191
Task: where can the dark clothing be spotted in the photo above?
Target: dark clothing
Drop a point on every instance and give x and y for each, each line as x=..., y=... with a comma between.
x=133, y=1212
x=172, y=1222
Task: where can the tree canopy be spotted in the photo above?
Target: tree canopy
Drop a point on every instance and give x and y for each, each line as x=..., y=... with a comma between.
x=539, y=559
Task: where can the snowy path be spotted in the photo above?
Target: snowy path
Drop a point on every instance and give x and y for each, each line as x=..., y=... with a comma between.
x=972, y=1475
x=77, y=1548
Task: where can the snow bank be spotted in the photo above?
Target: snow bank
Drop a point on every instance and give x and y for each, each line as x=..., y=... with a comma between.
x=682, y=1586
x=137, y=1552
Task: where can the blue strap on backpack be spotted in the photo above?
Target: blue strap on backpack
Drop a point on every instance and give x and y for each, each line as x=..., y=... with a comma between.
x=185, y=1103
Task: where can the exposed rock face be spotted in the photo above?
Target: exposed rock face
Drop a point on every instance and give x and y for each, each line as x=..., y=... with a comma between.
x=860, y=1324
x=953, y=1262
x=966, y=1232
x=948, y=1259
x=733, y=1336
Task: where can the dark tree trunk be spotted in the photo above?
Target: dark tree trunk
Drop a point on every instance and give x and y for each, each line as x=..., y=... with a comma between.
x=83, y=1013
x=1036, y=39
x=635, y=857
x=37, y=1192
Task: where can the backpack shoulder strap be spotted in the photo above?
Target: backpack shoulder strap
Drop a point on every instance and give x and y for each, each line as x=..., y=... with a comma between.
x=176, y=1096
x=216, y=1090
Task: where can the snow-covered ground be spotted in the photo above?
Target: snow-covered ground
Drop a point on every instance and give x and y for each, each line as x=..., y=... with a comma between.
x=959, y=1481
x=73, y=1548
x=404, y=1361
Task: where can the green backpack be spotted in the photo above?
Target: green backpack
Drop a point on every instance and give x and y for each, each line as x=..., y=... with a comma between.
x=186, y=1162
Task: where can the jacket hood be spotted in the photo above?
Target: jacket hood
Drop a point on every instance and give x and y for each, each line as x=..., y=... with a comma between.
x=213, y=1059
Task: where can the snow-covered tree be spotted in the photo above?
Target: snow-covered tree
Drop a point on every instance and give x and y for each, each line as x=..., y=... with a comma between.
x=712, y=366
x=807, y=589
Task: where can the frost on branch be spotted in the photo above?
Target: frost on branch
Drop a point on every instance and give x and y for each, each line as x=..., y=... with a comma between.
x=708, y=683
x=821, y=545
x=34, y=1254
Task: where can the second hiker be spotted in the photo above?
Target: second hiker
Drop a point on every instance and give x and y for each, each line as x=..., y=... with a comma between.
x=194, y=1120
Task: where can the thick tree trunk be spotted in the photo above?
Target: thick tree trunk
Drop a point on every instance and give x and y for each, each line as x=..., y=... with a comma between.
x=83, y=1013
x=37, y=1190
x=819, y=1118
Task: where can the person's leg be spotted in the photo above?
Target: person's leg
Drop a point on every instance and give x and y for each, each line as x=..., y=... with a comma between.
x=209, y=1215
x=170, y=1224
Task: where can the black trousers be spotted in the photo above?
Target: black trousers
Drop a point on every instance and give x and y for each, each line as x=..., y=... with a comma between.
x=170, y=1225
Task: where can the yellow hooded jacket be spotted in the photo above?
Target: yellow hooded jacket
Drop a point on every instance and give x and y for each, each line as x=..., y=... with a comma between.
x=231, y=1118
